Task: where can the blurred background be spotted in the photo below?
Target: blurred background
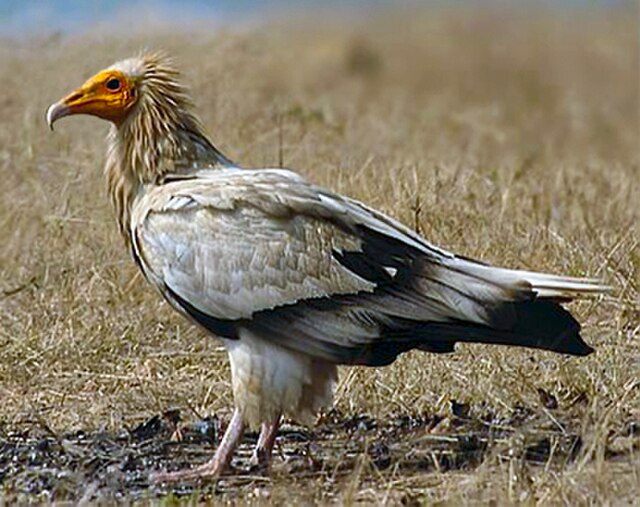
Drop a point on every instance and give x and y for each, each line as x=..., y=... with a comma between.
x=507, y=131
x=75, y=15
x=43, y=17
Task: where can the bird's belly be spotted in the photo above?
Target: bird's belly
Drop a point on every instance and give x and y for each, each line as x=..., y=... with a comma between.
x=269, y=380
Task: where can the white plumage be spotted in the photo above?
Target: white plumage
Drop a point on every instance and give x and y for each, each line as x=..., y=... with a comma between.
x=293, y=278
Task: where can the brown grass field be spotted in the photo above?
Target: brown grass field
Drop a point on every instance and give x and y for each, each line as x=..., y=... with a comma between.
x=508, y=135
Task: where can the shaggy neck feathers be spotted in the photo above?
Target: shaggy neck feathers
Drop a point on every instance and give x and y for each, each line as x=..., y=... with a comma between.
x=160, y=137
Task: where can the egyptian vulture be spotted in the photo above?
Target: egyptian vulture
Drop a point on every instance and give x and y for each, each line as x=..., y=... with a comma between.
x=293, y=278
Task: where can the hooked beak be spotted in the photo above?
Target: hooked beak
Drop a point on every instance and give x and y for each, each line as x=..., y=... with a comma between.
x=77, y=102
x=96, y=99
x=91, y=98
x=57, y=111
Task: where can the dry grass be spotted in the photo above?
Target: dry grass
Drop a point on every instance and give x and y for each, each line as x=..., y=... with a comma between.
x=509, y=136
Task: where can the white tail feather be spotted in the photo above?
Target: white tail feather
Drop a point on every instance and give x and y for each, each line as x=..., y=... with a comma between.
x=556, y=286
x=545, y=285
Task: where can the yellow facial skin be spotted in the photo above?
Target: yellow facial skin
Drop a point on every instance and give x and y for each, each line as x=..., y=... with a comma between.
x=108, y=95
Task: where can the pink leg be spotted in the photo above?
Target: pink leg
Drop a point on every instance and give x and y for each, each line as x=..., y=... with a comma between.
x=262, y=453
x=215, y=466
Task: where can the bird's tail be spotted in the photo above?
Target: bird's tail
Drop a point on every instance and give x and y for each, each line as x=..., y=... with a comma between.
x=555, y=287
x=539, y=322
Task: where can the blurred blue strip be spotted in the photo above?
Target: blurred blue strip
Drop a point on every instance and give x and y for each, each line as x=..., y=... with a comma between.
x=43, y=17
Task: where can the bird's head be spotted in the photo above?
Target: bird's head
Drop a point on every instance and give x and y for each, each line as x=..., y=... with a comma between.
x=113, y=93
x=110, y=95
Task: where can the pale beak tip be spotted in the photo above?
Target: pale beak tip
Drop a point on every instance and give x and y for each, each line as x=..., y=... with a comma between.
x=49, y=116
x=55, y=111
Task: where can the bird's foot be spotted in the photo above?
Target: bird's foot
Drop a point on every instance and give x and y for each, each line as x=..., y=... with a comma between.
x=209, y=471
x=261, y=457
x=215, y=466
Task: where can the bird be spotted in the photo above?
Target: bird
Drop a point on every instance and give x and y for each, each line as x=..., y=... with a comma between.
x=293, y=278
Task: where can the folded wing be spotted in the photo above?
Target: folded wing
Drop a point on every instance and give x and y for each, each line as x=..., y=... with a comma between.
x=325, y=275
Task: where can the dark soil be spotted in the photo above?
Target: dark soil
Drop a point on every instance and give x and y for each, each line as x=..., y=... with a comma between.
x=37, y=464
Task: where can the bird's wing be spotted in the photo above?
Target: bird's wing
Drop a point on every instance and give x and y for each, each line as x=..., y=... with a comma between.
x=235, y=244
x=314, y=271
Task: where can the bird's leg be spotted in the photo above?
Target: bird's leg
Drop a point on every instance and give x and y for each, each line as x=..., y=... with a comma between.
x=216, y=465
x=262, y=453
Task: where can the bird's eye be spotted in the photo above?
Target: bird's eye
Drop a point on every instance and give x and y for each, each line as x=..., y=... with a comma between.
x=113, y=84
